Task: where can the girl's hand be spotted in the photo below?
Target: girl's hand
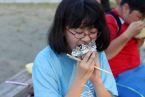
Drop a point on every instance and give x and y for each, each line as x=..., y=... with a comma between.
x=95, y=77
x=85, y=68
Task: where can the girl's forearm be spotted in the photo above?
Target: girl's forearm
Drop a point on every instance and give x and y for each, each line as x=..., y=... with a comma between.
x=101, y=90
x=76, y=88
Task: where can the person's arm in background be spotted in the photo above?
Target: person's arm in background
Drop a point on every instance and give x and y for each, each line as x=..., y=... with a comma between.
x=118, y=43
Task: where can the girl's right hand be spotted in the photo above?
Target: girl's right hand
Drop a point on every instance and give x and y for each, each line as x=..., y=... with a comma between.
x=85, y=67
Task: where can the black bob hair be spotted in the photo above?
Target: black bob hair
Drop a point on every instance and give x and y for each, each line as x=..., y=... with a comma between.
x=73, y=14
x=135, y=5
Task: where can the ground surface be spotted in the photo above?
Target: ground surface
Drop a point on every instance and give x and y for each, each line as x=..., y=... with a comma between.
x=23, y=30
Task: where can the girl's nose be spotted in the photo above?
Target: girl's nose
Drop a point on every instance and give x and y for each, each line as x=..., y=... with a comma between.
x=86, y=39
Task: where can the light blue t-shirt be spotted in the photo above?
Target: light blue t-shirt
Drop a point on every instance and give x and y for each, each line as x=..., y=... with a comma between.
x=53, y=74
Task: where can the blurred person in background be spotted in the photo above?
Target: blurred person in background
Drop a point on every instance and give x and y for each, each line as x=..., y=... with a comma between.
x=125, y=22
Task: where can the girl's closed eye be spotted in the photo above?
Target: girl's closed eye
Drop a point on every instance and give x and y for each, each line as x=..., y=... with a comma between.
x=93, y=32
x=80, y=33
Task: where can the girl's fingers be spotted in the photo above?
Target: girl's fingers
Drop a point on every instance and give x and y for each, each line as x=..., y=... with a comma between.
x=92, y=61
x=86, y=57
x=92, y=58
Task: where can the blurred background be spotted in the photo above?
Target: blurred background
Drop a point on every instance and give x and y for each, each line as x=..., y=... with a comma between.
x=23, y=28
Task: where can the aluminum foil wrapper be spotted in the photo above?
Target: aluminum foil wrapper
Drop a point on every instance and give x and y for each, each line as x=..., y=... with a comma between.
x=83, y=49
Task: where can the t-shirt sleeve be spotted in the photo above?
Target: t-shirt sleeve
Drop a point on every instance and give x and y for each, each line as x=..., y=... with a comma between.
x=108, y=79
x=112, y=25
x=44, y=81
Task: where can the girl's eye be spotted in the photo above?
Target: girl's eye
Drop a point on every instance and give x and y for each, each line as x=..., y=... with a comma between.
x=93, y=32
x=79, y=32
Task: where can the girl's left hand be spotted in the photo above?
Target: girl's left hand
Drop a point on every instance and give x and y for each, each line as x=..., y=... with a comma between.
x=95, y=77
